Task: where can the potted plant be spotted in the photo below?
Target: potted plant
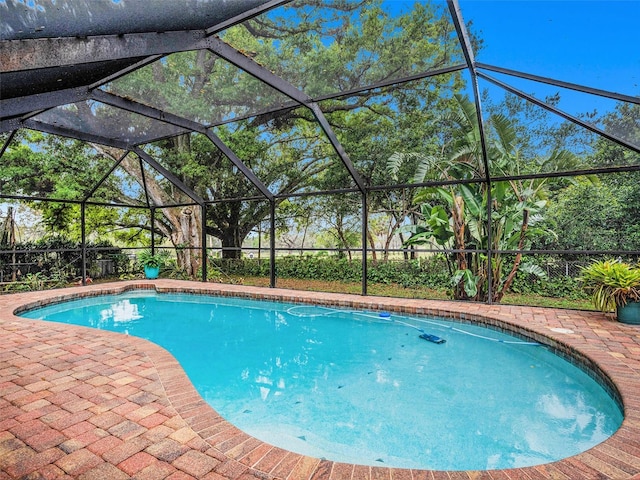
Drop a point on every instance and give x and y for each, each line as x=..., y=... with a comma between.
x=614, y=286
x=152, y=262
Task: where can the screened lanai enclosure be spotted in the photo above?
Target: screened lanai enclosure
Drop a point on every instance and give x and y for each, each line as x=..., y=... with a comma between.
x=461, y=149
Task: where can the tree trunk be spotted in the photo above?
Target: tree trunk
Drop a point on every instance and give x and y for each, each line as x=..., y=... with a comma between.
x=394, y=225
x=187, y=239
x=345, y=243
x=459, y=232
x=372, y=242
x=304, y=237
x=457, y=213
x=387, y=246
x=184, y=223
x=516, y=264
x=405, y=255
x=231, y=243
x=8, y=235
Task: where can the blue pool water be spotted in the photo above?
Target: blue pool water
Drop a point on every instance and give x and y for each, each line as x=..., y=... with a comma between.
x=361, y=388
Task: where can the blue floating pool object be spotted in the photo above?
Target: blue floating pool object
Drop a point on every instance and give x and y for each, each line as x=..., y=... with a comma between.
x=432, y=338
x=384, y=314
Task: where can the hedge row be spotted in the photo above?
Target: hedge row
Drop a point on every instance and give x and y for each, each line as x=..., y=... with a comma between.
x=431, y=272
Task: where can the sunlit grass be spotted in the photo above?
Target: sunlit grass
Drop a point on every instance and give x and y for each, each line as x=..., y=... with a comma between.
x=393, y=290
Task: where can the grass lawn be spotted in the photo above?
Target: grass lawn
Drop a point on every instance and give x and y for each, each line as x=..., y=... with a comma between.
x=393, y=290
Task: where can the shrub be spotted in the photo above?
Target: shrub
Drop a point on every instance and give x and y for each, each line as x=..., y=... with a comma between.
x=431, y=272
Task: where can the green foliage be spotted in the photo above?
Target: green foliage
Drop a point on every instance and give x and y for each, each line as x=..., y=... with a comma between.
x=219, y=268
x=429, y=272
x=327, y=268
x=611, y=283
x=535, y=281
x=155, y=260
x=436, y=227
x=55, y=262
x=468, y=280
x=55, y=257
x=603, y=212
x=456, y=216
x=592, y=215
x=32, y=282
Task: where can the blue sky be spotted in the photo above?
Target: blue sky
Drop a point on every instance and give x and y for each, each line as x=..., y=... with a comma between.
x=595, y=43
x=590, y=42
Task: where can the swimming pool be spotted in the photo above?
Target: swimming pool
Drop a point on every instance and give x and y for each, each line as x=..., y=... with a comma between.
x=421, y=415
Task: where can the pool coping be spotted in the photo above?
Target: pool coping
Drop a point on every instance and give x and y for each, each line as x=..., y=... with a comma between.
x=609, y=351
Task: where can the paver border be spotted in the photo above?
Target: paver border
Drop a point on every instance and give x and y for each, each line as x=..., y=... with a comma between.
x=607, y=350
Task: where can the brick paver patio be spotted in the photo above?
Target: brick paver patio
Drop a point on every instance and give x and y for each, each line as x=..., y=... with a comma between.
x=88, y=404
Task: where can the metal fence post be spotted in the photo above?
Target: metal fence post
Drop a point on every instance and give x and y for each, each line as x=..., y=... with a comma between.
x=204, y=241
x=365, y=227
x=272, y=244
x=83, y=238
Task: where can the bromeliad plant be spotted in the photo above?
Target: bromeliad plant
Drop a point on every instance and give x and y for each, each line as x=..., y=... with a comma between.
x=152, y=262
x=611, y=283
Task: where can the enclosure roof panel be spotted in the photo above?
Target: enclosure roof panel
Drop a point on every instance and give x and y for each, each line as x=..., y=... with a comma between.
x=33, y=82
x=97, y=119
x=48, y=46
x=83, y=18
x=204, y=88
x=353, y=45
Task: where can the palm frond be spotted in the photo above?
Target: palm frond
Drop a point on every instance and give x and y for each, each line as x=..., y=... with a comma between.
x=504, y=129
x=427, y=168
x=397, y=159
x=394, y=162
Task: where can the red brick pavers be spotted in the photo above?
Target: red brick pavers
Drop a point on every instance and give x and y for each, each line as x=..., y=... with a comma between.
x=82, y=403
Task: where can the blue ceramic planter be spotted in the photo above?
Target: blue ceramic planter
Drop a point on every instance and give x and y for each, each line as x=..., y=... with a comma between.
x=630, y=313
x=151, y=272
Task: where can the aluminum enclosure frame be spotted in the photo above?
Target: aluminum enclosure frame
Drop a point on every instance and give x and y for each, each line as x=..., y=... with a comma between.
x=127, y=51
